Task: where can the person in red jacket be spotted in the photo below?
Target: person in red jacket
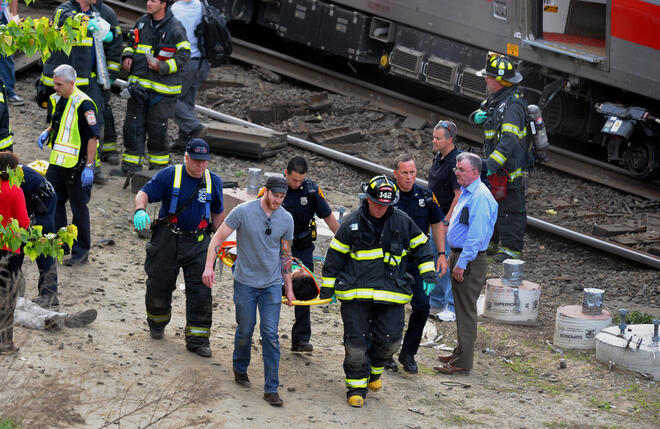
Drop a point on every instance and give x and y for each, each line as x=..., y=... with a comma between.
x=12, y=206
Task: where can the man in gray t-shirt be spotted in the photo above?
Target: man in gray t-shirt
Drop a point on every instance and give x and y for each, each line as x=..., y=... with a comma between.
x=264, y=231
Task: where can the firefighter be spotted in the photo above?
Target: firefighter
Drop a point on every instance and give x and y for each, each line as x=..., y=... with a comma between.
x=365, y=268
x=113, y=51
x=82, y=58
x=192, y=201
x=6, y=140
x=303, y=200
x=156, y=53
x=503, y=115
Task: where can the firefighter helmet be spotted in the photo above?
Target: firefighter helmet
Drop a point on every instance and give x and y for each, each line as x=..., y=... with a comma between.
x=501, y=68
x=381, y=190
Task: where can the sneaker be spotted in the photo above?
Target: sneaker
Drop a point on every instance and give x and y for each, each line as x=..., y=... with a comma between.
x=241, y=379
x=447, y=315
x=302, y=348
x=273, y=399
x=16, y=100
x=82, y=318
x=156, y=333
x=47, y=300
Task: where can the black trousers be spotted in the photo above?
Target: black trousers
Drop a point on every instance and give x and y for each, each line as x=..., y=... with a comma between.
x=46, y=264
x=166, y=254
x=421, y=308
x=301, y=331
x=372, y=333
x=72, y=191
x=511, y=220
x=147, y=122
x=10, y=265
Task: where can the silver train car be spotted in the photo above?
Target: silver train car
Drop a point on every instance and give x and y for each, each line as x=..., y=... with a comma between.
x=592, y=65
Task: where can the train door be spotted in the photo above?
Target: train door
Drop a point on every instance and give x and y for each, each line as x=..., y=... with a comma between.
x=575, y=28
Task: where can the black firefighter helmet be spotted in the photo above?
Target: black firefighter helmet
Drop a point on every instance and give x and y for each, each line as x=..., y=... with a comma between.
x=502, y=69
x=381, y=190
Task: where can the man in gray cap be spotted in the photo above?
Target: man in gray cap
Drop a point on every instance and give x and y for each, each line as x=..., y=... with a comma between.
x=264, y=231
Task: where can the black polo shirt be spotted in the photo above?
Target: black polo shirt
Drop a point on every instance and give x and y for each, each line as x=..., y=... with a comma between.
x=442, y=180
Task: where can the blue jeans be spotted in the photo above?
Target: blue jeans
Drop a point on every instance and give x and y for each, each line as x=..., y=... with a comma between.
x=441, y=295
x=269, y=301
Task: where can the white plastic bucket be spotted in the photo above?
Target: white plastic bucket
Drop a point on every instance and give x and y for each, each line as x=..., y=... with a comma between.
x=576, y=330
x=500, y=301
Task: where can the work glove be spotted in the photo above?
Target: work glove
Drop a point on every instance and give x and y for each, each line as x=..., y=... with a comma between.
x=328, y=293
x=479, y=116
x=92, y=26
x=43, y=139
x=108, y=37
x=141, y=219
x=428, y=287
x=87, y=177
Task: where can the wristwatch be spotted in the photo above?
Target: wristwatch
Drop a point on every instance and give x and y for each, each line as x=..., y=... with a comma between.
x=445, y=222
x=91, y=165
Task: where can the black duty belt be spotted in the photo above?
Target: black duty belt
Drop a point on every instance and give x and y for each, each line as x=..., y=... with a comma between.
x=460, y=249
x=176, y=230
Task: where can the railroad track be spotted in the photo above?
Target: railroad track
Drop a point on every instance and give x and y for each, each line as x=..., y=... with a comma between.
x=561, y=160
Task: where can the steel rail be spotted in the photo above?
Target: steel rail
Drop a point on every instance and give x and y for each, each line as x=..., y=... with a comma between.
x=622, y=251
x=561, y=159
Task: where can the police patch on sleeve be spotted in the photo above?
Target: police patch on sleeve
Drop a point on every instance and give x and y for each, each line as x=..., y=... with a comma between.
x=321, y=193
x=91, y=117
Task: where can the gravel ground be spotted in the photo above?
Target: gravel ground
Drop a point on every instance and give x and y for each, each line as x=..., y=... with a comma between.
x=112, y=367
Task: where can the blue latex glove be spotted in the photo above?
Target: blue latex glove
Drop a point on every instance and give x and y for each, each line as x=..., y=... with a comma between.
x=479, y=117
x=334, y=299
x=428, y=287
x=108, y=37
x=87, y=177
x=490, y=172
x=141, y=219
x=43, y=139
x=92, y=26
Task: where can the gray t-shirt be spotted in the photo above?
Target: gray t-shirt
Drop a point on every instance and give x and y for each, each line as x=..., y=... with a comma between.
x=258, y=260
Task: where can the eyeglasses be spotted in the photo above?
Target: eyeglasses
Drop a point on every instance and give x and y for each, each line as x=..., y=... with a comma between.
x=449, y=126
x=269, y=229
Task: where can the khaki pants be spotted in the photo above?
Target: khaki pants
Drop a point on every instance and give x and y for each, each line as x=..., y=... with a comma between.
x=466, y=294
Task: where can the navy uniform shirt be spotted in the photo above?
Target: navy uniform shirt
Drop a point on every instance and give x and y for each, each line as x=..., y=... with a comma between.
x=442, y=180
x=159, y=188
x=420, y=205
x=32, y=180
x=303, y=203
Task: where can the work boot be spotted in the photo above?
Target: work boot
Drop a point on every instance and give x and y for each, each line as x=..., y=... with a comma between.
x=156, y=333
x=408, y=362
x=118, y=172
x=203, y=350
x=76, y=260
x=273, y=399
x=356, y=401
x=242, y=379
x=47, y=300
x=199, y=132
x=99, y=177
x=82, y=318
x=302, y=348
x=501, y=257
x=111, y=158
x=391, y=365
x=375, y=385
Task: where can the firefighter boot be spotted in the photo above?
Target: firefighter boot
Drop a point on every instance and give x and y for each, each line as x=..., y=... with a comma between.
x=356, y=401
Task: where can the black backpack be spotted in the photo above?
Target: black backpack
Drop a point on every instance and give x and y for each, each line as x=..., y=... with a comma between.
x=214, y=40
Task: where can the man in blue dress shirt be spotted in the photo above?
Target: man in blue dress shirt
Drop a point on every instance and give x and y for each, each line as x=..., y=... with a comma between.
x=470, y=229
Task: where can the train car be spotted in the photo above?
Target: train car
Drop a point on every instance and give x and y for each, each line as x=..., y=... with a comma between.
x=592, y=65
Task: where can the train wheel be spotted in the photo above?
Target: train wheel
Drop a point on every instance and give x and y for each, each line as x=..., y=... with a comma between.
x=639, y=158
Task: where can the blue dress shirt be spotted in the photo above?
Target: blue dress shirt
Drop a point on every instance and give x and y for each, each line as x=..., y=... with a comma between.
x=475, y=236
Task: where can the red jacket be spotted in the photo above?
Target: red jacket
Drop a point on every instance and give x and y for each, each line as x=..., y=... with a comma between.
x=12, y=206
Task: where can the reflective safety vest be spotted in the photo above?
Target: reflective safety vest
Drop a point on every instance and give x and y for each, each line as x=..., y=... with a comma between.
x=176, y=189
x=66, y=144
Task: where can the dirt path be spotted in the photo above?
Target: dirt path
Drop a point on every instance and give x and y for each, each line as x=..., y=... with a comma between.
x=111, y=374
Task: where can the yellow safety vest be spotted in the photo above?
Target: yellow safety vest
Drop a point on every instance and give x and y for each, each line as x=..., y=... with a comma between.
x=66, y=145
